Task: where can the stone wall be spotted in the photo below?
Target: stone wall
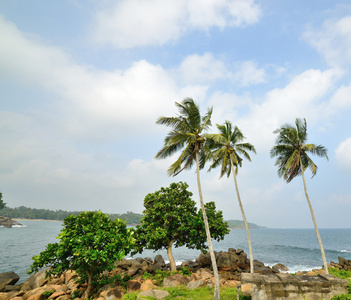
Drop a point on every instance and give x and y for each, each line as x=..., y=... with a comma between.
x=286, y=286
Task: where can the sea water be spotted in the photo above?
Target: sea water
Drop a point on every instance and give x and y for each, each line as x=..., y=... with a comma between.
x=298, y=249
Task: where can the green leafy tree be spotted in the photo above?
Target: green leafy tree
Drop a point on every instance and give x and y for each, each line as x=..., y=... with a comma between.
x=2, y=204
x=227, y=147
x=171, y=218
x=89, y=244
x=187, y=133
x=293, y=159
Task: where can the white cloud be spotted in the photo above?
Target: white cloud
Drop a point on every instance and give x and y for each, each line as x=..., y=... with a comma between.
x=206, y=68
x=139, y=23
x=343, y=155
x=333, y=41
x=248, y=74
x=93, y=102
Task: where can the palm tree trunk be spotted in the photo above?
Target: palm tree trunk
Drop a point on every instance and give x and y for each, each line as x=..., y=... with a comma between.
x=170, y=256
x=244, y=218
x=216, y=295
x=314, y=222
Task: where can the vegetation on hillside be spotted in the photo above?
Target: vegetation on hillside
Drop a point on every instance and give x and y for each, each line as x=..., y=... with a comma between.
x=23, y=212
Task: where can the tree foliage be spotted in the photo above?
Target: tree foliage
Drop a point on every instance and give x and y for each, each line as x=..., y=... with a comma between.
x=89, y=244
x=171, y=218
x=2, y=204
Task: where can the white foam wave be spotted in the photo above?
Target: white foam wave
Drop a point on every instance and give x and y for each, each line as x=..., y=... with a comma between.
x=345, y=251
x=296, y=268
x=18, y=226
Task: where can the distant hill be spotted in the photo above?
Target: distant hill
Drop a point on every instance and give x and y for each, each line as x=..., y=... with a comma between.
x=23, y=212
x=238, y=224
x=132, y=218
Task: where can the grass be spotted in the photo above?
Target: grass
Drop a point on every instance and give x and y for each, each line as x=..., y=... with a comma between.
x=204, y=293
x=344, y=275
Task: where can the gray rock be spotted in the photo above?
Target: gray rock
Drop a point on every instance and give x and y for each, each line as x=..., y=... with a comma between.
x=175, y=280
x=159, y=260
x=195, y=284
x=158, y=294
x=228, y=260
x=8, y=278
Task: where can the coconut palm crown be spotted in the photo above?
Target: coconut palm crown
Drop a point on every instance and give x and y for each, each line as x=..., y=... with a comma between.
x=292, y=153
x=186, y=133
x=227, y=147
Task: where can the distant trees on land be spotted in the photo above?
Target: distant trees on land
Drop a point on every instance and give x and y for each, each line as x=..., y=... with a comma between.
x=23, y=212
x=2, y=204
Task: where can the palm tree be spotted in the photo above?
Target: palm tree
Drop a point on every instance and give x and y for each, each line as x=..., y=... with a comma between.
x=187, y=133
x=293, y=159
x=227, y=147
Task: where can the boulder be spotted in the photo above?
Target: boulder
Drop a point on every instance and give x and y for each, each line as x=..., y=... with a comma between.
x=7, y=222
x=195, y=284
x=204, y=260
x=280, y=268
x=35, y=280
x=158, y=294
x=113, y=294
x=8, y=278
x=228, y=260
x=159, y=260
x=133, y=286
x=175, y=280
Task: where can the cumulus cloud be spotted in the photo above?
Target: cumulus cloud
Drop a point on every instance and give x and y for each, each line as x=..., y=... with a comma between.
x=343, y=155
x=333, y=41
x=92, y=101
x=206, y=69
x=139, y=23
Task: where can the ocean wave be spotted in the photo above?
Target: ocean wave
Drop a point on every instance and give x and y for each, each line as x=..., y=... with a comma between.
x=345, y=251
x=19, y=226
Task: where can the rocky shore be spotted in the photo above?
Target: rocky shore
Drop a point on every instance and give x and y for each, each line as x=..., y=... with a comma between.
x=230, y=264
x=7, y=222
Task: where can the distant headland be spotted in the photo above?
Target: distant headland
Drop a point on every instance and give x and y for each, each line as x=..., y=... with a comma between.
x=27, y=213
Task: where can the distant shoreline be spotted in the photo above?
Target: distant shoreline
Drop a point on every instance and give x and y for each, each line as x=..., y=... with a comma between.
x=16, y=219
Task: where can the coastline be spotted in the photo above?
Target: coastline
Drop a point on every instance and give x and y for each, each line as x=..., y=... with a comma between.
x=17, y=219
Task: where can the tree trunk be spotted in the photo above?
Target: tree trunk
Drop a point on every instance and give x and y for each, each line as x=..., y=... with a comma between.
x=216, y=295
x=89, y=286
x=170, y=256
x=314, y=222
x=244, y=218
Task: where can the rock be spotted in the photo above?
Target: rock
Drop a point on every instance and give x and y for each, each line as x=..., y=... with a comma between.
x=159, y=260
x=7, y=222
x=204, y=260
x=8, y=278
x=175, y=280
x=195, y=284
x=133, y=286
x=228, y=260
x=147, y=285
x=158, y=294
x=4, y=296
x=34, y=281
x=57, y=294
x=280, y=267
x=113, y=294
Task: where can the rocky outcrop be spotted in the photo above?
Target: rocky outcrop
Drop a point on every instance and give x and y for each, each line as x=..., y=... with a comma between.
x=344, y=264
x=7, y=222
x=8, y=279
x=230, y=264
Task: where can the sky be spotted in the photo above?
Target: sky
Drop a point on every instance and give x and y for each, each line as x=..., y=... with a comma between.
x=82, y=84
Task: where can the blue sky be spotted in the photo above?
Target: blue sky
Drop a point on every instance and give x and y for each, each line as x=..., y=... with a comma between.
x=83, y=82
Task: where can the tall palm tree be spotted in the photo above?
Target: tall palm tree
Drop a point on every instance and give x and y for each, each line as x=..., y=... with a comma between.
x=227, y=147
x=187, y=133
x=293, y=159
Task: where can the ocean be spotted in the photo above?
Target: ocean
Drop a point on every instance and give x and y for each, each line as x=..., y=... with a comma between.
x=295, y=248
